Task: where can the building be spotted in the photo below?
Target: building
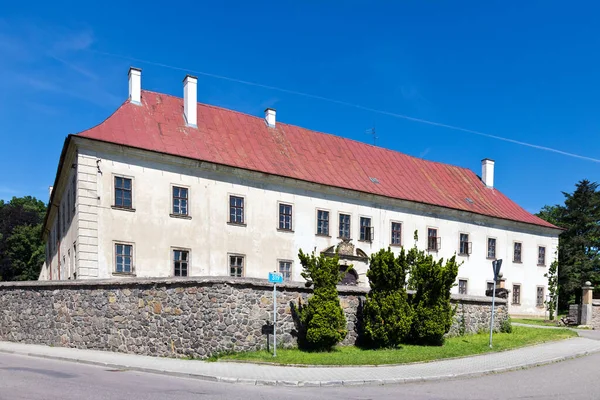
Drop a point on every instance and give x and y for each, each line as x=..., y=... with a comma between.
x=166, y=186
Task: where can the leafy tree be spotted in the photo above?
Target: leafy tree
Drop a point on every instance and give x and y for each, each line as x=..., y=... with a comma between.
x=387, y=315
x=323, y=320
x=432, y=309
x=579, y=245
x=21, y=246
x=552, y=276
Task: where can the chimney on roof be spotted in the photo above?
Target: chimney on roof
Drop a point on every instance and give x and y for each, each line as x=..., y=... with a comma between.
x=50, y=191
x=487, y=172
x=270, y=117
x=190, y=100
x=135, y=85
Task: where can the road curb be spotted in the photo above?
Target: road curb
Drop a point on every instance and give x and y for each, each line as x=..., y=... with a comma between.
x=290, y=383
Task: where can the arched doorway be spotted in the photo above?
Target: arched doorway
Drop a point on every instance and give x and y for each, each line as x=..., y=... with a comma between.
x=349, y=277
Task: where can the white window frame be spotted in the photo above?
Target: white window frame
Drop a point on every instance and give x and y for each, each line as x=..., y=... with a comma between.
x=487, y=248
x=172, y=187
x=513, y=251
x=292, y=216
x=317, y=222
x=244, y=221
x=173, y=249
x=371, y=228
x=114, y=190
x=340, y=213
x=244, y=264
x=133, y=257
x=392, y=222
x=466, y=286
x=538, y=255
x=279, y=261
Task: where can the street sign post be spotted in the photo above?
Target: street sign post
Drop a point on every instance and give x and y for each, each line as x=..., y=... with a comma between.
x=275, y=278
x=496, y=264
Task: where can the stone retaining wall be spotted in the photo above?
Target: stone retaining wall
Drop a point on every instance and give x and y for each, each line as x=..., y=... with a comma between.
x=176, y=317
x=596, y=314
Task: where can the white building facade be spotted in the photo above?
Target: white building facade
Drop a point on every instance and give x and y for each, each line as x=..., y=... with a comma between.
x=119, y=210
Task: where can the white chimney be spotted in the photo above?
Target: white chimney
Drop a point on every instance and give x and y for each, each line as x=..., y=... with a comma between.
x=270, y=117
x=190, y=100
x=135, y=85
x=487, y=172
x=50, y=191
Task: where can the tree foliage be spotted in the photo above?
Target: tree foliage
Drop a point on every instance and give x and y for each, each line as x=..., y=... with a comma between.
x=579, y=245
x=552, y=276
x=323, y=320
x=21, y=246
x=432, y=310
x=387, y=314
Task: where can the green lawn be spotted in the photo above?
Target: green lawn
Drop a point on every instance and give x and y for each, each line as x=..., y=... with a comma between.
x=454, y=347
x=535, y=321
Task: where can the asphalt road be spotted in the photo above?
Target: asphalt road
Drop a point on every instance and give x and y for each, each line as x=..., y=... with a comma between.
x=31, y=378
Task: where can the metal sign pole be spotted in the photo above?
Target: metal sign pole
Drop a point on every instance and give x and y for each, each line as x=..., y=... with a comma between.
x=274, y=320
x=493, y=301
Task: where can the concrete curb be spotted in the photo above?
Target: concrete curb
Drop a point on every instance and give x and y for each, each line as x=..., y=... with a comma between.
x=288, y=383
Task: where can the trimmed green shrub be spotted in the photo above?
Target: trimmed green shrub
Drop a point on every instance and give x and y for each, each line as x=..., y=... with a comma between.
x=386, y=314
x=322, y=319
x=432, y=309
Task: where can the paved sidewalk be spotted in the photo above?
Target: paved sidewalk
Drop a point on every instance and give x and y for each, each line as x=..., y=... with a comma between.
x=320, y=376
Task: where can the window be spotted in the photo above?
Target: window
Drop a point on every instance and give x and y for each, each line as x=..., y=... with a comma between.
x=180, y=201
x=236, y=266
x=490, y=286
x=541, y=255
x=345, y=226
x=124, y=258
x=539, y=299
x=396, y=233
x=236, y=210
x=462, y=286
x=285, y=217
x=491, y=248
x=181, y=260
x=74, y=188
x=122, y=192
x=464, y=247
x=323, y=222
x=285, y=269
x=517, y=252
x=516, y=294
x=366, y=231
x=433, y=241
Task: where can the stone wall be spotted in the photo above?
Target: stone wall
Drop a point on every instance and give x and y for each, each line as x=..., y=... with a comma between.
x=179, y=317
x=596, y=314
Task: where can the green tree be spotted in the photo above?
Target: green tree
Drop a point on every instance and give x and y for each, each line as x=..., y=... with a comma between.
x=552, y=276
x=323, y=320
x=21, y=246
x=579, y=244
x=432, y=310
x=387, y=315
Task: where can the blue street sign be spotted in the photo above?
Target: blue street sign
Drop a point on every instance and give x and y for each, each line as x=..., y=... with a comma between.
x=275, y=277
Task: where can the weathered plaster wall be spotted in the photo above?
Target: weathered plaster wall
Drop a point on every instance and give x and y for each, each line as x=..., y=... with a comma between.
x=176, y=317
x=596, y=314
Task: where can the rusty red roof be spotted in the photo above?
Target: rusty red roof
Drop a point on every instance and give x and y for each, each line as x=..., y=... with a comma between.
x=244, y=141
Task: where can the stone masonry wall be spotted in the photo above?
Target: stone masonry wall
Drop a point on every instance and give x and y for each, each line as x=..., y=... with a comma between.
x=179, y=317
x=596, y=314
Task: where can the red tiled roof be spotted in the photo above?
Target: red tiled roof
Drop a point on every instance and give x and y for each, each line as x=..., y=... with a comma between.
x=240, y=140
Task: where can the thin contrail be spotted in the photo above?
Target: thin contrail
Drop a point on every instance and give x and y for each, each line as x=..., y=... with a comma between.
x=357, y=106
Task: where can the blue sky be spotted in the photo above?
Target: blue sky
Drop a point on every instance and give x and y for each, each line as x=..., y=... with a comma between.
x=527, y=71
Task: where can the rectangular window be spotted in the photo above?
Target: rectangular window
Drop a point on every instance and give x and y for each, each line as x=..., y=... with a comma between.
x=323, y=222
x=180, y=201
x=433, y=241
x=491, y=248
x=490, y=286
x=181, y=260
x=285, y=217
x=539, y=300
x=123, y=258
x=122, y=192
x=344, y=226
x=462, y=286
x=517, y=252
x=516, y=295
x=285, y=269
x=74, y=188
x=236, y=266
x=541, y=255
x=236, y=210
x=366, y=231
x=396, y=233
x=464, y=247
